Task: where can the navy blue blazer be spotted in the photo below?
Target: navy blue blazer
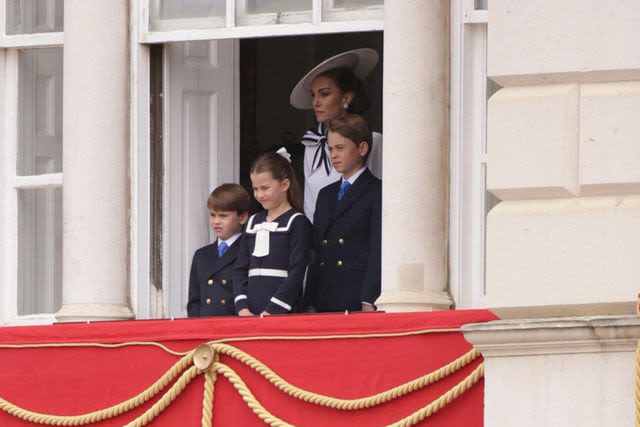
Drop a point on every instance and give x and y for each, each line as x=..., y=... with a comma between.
x=211, y=281
x=273, y=283
x=346, y=241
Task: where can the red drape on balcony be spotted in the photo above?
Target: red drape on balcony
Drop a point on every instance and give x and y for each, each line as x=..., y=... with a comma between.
x=74, y=380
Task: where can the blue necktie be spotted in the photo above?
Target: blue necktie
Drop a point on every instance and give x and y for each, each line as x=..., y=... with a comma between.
x=343, y=189
x=222, y=248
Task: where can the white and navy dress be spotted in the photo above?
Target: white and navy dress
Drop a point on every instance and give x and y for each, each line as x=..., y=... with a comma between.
x=271, y=263
x=318, y=171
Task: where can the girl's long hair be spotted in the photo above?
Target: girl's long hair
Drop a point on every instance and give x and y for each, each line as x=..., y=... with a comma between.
x=280, y=169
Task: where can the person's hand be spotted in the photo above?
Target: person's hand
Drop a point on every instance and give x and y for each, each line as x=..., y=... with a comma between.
x=368, y=307
x=311, y=310
x=265, y=313
x=245, y=313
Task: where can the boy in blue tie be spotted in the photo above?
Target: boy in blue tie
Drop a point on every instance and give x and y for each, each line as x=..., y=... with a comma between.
x=347, y=226
x=211, y=279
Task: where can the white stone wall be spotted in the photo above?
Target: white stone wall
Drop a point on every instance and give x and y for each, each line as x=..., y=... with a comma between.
x=558, y=372
x=564, y=155
x=583, y=390
x=546, y=41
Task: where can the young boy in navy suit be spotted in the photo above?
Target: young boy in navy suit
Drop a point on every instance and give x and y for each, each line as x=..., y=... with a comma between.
x=347, y=226
x=210, y=282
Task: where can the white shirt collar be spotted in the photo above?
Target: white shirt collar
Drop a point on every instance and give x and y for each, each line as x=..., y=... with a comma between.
x=352, y=178
x=231, y=240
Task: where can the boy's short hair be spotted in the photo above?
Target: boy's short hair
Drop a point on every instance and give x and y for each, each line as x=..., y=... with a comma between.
x=229, y=197
x=353, y=127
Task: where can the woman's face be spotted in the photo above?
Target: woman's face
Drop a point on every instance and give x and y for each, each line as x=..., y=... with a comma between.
x=328, y=100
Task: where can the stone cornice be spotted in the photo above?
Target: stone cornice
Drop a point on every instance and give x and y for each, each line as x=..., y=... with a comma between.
x=564, y=335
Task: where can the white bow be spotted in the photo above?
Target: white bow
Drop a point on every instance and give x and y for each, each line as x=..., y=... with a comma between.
x=284, y=153
x=262, y=238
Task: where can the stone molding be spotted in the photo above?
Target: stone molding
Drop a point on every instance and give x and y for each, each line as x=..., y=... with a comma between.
x=566, y=335
x=404, y=301
x=93, y=312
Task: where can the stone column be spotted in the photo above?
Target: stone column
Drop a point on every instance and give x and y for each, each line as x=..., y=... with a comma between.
x=95, y=161
x=415, y=165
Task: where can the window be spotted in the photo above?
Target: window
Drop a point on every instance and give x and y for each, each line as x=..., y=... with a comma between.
x=341, y=10
x=166, y=15
x=481, y=4
x=201, y=72
x=272, y=12
x=222, y=107
x=31, y=165
x=34, y=16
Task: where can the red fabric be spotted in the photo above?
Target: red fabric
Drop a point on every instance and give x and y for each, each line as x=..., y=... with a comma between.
x=76, y=380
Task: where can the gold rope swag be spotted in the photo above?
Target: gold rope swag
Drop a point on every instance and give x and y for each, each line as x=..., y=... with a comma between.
x=204, y=360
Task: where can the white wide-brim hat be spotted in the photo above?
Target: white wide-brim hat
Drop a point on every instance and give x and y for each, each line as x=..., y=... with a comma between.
x=361, y=61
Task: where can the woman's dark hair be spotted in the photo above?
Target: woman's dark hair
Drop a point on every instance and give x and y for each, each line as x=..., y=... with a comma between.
x=280, y=169
x=347, y=81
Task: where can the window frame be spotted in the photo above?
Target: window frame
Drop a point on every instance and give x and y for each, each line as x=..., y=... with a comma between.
x=141, y=291
x=10, y=181
x=468, y=157
x=232, y=30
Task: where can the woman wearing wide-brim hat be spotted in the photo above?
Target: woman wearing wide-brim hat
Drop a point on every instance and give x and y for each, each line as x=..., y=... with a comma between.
x=331, y=88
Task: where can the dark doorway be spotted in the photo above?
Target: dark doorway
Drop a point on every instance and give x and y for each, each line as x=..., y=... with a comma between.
x=269, y=69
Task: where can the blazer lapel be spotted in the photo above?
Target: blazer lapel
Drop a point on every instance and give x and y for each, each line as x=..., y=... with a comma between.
x=352, y=194
x=325, y=210
x=229, y=257
x=333, y=198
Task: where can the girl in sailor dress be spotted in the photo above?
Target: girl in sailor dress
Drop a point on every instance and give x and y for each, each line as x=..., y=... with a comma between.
x=275, y=247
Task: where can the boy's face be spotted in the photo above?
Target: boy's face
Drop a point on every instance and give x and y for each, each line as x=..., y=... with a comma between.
x=227, y=223
x=345, y=155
